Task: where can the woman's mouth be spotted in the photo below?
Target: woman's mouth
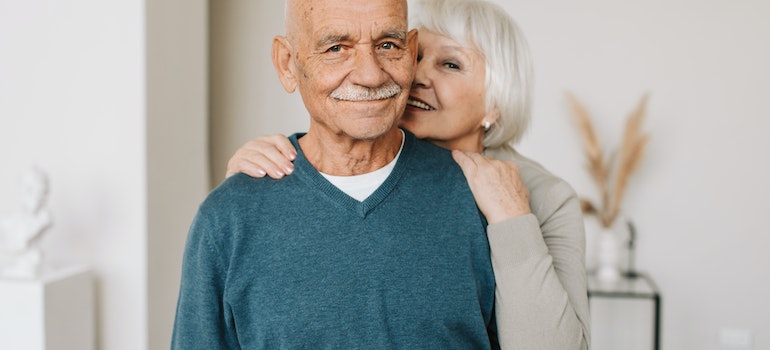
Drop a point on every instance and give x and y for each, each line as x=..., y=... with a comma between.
x=417, y=103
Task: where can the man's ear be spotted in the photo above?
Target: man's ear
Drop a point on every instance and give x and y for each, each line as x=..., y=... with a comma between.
x=411, y=38
x=283, y=63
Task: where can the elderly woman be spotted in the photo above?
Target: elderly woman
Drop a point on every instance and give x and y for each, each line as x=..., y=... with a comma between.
x=472, y=94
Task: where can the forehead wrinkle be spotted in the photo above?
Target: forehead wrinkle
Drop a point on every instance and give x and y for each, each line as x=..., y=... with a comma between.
x=325, y=23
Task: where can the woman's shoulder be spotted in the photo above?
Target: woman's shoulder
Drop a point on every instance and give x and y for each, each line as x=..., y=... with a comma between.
x=541, y=183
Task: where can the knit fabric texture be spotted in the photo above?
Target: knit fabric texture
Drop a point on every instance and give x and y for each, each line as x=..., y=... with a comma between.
x=297, y=264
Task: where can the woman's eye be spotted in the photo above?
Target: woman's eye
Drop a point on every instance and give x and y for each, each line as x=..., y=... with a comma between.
x=451, y=65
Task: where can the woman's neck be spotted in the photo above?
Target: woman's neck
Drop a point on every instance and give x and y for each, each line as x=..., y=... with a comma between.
x=469, y=143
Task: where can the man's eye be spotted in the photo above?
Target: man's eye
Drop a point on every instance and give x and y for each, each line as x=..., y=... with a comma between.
x=388, y=46
x=335, y=48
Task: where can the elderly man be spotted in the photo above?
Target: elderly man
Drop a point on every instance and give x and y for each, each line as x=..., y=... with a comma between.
x=374, y=242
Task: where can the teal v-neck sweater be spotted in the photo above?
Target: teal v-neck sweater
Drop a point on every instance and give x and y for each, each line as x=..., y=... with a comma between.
x=297, y=264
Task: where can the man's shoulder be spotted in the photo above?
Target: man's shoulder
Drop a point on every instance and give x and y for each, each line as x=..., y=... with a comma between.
x=433, y=166
x=428, y=154
x=237, y=190
x=234, y=185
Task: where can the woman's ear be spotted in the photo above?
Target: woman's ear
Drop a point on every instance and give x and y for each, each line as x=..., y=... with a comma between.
x=283, y=63
x=492, y=116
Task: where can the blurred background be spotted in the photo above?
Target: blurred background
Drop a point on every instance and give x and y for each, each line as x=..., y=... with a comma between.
x=133, y=108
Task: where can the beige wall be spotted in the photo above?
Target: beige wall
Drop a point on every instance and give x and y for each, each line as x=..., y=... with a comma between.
x=245, y=95
x=177, y=148
x=698, y=197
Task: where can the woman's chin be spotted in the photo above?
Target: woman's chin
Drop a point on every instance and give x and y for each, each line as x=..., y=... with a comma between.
x=420, y=131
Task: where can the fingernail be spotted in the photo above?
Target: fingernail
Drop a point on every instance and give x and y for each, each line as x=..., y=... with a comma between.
x=289, y=170
x=292, y=156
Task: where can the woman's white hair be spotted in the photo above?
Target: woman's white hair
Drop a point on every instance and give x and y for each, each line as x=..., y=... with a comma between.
x=508, y=78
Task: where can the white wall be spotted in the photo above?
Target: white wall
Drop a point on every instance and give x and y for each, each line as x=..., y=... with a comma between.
x=75, y=100
x=699, y=197
x=72, y=102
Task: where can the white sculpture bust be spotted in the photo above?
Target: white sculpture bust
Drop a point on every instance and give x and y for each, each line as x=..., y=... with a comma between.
x=21, y=232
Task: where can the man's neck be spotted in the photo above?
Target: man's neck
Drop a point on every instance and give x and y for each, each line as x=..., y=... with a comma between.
x=341, y=155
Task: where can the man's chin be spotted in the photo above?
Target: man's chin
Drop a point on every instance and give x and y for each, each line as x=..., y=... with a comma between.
x=371, y=132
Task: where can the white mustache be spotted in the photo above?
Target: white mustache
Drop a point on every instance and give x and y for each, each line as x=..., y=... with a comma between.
x=362, y=93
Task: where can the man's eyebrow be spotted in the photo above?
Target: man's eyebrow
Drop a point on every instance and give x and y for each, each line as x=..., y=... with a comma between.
x=330, y=39
x=399, y=35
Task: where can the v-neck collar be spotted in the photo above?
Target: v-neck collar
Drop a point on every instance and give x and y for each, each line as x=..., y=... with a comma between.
x=305, y=171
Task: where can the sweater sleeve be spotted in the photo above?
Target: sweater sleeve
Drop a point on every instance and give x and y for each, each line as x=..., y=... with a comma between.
x=539, y=266
x=202, y=316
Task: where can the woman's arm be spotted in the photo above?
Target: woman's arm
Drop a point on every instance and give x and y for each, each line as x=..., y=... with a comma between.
x=541, y=285
x=538, y=257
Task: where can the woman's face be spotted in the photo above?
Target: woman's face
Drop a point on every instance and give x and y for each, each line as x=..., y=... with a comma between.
x=447, y=101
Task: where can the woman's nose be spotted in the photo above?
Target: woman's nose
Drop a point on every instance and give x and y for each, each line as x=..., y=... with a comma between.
x=421, y=75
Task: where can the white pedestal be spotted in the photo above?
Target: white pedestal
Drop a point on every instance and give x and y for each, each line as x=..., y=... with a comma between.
x=52, y=312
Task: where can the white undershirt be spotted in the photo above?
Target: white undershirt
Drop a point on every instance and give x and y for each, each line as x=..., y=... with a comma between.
x=362, y=186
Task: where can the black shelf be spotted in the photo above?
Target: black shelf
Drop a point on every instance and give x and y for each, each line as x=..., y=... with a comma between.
x=637, y=285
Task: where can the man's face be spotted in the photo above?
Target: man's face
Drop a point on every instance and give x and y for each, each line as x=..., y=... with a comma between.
x=353, y=64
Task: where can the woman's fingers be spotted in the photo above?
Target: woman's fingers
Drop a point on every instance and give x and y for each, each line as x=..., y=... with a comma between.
x=496, y=186
x=274, y=161
x=267, y=155
x=463, y=161
x=283, y=145
x=241, y=162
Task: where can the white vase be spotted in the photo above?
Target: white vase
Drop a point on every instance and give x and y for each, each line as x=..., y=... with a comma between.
x=608, y=255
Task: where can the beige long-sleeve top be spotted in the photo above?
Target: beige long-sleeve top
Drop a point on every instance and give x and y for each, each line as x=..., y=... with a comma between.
x=539, y=265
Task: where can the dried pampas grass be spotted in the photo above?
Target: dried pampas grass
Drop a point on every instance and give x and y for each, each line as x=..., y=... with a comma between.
x=610, y=173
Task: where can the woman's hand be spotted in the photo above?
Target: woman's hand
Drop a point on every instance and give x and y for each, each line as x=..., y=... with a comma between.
x=267, y=155
x=496, y=186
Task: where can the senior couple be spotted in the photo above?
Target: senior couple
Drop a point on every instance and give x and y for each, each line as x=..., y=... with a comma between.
x=379, y=239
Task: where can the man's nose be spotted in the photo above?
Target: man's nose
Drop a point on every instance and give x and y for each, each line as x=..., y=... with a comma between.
x=368, y=70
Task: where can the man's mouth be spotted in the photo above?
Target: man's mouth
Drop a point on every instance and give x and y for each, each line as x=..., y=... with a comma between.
x=417, y=103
